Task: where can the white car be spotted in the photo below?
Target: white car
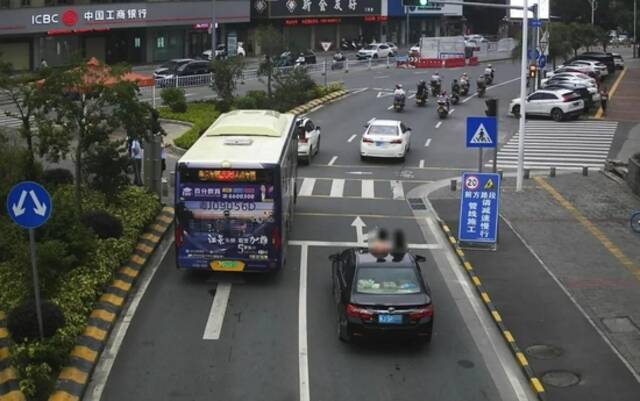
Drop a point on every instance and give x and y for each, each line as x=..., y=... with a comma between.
x=374, y=50
x=568, y=79
x=385, y=138
x=557, y=104
x=578, y=76
x=618, y=60
x=582, y=69
x=308, y=139
x=393, y=47
x=414, y=51
x=592, y=65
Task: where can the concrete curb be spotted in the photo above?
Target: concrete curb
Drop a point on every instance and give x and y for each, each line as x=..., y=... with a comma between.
x=318, y=102
x=73, y=378
x=533, y=380
x=9, y=385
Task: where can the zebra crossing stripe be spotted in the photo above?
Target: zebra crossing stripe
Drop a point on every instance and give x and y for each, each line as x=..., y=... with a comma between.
x=368, y=190
x=397, y=190
x=306, y=189
x=337, y=188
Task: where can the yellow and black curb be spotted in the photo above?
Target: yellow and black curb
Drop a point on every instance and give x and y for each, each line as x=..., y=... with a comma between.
x=9, y=386
x=73, y=378
x=318, y=102
x=534, y=382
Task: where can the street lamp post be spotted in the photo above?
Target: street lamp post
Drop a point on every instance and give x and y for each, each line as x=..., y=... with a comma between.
x=635, y=28
x=523, y=96
x=213, y=29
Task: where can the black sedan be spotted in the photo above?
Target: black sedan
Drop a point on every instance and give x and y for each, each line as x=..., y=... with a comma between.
x=381, y=296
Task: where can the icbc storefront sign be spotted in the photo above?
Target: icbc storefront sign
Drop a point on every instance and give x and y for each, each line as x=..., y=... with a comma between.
x=70, y=17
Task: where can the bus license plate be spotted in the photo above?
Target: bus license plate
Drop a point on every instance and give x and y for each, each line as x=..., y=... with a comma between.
x=390, y=319
x=227, y=265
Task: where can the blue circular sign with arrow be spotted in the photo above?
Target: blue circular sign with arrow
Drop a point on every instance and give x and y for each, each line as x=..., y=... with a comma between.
x=29, y=204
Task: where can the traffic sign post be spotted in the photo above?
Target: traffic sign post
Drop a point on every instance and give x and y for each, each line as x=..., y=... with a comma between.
x=325, y=46
x=482, y=132
x=29, y=206
x=479, y=208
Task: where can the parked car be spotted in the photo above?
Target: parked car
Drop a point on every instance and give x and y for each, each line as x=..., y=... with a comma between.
x=374, y=50
x=618, y=60
x=221, y=51
x=167, y=68
x=568, y=78
x=308, y=139
x=193, y=68
x=557, y=104
x=385, y=138
x=589, y=95
x=604, y=58
x=378, y=294
x=596, y=65
x=575, y=69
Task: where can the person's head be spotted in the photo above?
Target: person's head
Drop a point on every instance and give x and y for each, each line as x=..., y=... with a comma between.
x=398, y=86
x=422, y=82
x=464, y=74
x=490, y=66
x=455, y=81
x=436, y=73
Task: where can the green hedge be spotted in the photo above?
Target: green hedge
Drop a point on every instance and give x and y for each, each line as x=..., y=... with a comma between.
x=200, y=114
x=75, y=290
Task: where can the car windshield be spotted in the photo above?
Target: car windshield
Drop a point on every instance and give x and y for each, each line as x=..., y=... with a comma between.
x=172, y=65
x=388, y=281
x=383, y=130
x=370, y=47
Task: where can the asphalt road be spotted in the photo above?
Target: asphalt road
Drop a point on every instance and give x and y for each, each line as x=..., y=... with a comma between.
x=277, y=334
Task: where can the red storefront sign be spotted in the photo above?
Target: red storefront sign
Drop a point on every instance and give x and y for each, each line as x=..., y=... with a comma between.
x=312, y=21
x=375, y=18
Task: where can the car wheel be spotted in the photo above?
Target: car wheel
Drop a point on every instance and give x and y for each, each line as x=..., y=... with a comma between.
x=343, y=330
x=363, y=158
x=516, y=111
x=557, y=115
x=375, y=55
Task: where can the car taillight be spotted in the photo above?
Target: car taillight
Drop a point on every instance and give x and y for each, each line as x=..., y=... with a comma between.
x=178, y=236
x=367, y=140
x=275, y=238
x=356, y=311
x=568, y=98
x=421, y=312
x=396, y=141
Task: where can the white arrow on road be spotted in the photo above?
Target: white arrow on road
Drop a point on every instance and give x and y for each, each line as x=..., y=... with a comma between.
x=18, y=210
x=359, y=226
x=40, y=208
x=384, y=94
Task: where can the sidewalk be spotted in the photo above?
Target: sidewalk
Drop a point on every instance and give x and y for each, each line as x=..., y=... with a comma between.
x=625, y=97
x=566, y=278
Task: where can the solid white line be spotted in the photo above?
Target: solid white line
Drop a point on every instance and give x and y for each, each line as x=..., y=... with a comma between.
x=573, y=300
x=426, y=144
x=306, y=189
x=347, y=244
x=213, y=329
x=489, y=88
x=303, y=351
x=381, y=76
x=333, y=160
x=421, y=163
x=397, y=190
x=337, y=188
x=438, y=124
x=367, y=189
x=351, y=138
x=355, y=92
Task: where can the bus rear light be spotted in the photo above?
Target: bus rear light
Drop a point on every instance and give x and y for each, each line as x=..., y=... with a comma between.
x=178, y=236
x=275, y=238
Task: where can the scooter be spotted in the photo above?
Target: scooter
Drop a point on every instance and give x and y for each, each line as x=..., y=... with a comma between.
x=398, y=103
x=338, y=61
x=464, y=87
x=421, y=99
x=443, y=109
x=435, y=88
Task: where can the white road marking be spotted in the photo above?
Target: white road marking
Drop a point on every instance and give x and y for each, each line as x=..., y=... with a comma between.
x=412, y=96
x=451, y=111
x=438, y=124
x=347, y=244
x=421, y=163
x=426, y=144
x=491, y=87
x=355, y=92
x=359, y=226
x=303, y=350
x=337, y=188
x=390, y=107
x=306, y=189
x=213, y=328
x=333, y=160
x=397, y=190
x=367, y=189
x=351, y=138
x=381, y=76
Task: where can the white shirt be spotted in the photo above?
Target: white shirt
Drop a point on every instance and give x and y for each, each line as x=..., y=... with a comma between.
x=488, y=71
x=399, y=92
x=136, y=149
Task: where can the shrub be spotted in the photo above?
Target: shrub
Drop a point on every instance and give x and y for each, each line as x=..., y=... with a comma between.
x=106, y=167
x=201, y=114
x=256, y=99
x=57, y=176
x=293, y=88
x=22, y=321
x=175, y=99
x=103, y=224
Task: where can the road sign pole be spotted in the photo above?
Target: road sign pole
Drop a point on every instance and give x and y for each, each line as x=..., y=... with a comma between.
x=523, y=97
x=36, y=285
x=480, y=160
x=495, y=159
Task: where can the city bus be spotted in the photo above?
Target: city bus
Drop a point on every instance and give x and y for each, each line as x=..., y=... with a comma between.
x=235, y=191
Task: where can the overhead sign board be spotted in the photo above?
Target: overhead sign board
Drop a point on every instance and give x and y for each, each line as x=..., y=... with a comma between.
x=543, y=8
x=29, y=204
x=479, y=208
x=482, y=132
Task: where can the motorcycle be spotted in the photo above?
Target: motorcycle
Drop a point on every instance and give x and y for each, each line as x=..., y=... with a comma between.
x=435, y=88
x=338, y=61
x=482, y=89
x=345, y=45
x=464, y=87
x=421, y=98
x=443, y=109
x=455, y=98
x=398, y=103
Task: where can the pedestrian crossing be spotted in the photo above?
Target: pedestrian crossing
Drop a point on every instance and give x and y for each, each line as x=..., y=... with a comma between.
x=9, y=122
x=355, y=188
x=564, y=145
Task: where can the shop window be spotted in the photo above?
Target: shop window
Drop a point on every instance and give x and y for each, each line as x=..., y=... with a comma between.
x=137, y=42
x=160, y=42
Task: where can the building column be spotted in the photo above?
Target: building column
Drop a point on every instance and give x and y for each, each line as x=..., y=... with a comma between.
x=312, y=45
x=150, y=44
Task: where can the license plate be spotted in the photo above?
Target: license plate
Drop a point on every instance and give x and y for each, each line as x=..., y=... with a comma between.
x=379, y=143
x=227, y=265
x=390, y=319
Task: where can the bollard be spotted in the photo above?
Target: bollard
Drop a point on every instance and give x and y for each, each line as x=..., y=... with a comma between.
x=370, y=58
x=527, y=173
x=585, y=171
x=346, y=65
x=552, y=172
x=165, y=187
x=172, y=179
x=501, y=174
x=387, y=62
x=453, y=185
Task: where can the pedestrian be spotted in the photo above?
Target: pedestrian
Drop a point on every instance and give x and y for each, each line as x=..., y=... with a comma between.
x=163, y=155
x=43, y=64
x=604, y=98
x=136, y=156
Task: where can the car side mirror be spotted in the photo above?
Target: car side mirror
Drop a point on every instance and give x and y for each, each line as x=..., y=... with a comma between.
x=420, y=258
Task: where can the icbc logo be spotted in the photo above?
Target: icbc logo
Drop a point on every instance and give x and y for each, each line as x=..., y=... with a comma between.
x=69, y=18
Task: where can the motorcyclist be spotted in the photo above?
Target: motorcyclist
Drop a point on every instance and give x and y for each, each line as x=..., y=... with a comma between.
x=338, y=56
x=443, y=99
x=422, y=88
x=436, y=83
x=481, y=82
x=455, y=87
x=399, y=91
x=489, y=71
x=436, y=78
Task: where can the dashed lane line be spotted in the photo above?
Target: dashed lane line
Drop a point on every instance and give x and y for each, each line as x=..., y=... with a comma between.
x=351, y=138
x=427, y=143
x=439, y=124
x=213, y=329
x=333, y=160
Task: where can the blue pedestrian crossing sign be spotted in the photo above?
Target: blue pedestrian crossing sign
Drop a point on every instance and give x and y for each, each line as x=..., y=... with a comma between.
x=29, y=204
x=479, y=208
x=482, y=132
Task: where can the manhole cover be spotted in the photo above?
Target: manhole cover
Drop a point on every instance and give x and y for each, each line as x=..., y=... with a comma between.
x=543, y=351
x=560, y=378
x=466, y=363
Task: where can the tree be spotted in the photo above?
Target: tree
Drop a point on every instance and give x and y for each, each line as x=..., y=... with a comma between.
x=293, y=88
x=87, y=105
x=559, y=46
x=225, y=75
x=271, y=43
x=28, y=102
x=602, y=37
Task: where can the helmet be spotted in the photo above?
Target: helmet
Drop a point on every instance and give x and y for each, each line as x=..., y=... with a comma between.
x=422, y=82
x=399, y=86
x=436, y=73
x=464, y=74
x=490, y=66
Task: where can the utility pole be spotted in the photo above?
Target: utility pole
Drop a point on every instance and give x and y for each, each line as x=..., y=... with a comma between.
x=635, y=28
x=594, y=7
x=213, y=29
x=406, y=11
x=523, y=96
